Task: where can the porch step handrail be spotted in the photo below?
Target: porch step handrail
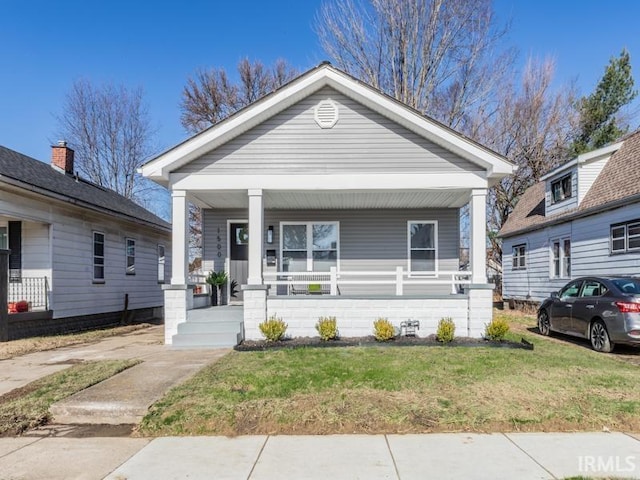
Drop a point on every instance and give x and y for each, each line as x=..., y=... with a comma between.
x=400, y=278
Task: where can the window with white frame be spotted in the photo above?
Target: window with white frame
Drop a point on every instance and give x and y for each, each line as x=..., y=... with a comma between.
x=625, y=237
x=98, y=257
x=309, y=246
x=161, y=262
x=423, y=246
x=561, y=258
x=518, y=256
x=561, y=189
x=131, y=256
x=4, y=238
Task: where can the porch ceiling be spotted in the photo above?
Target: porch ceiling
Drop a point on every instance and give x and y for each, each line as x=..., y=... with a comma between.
x=302, y=200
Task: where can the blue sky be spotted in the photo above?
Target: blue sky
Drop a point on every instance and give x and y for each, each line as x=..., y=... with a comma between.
x=46, y=45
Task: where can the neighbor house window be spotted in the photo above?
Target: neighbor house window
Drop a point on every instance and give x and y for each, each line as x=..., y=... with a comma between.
x=561, y=189
x=625, y=237
x=161, y=262
x=519, y=262
x=131, y=256
x=423, y=246
x=309, y=246
x=98, y=257
x=4, y=239
x=561, y=258
x=14, y=242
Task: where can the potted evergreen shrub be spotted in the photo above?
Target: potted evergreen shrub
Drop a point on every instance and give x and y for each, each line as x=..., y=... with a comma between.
x=217, y=280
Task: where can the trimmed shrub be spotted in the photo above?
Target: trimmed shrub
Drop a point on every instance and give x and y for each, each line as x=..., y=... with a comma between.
x=496, y=329
x=446, y=330
x=327, y=328
x=383, y=330
x=273, y=329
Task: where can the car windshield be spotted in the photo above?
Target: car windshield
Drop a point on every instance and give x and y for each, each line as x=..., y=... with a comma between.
x=627, y=285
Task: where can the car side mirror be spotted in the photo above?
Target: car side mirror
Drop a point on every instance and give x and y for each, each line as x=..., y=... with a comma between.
x=553, y=294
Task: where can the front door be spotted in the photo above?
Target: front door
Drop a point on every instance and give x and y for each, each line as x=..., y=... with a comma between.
x=238, y=255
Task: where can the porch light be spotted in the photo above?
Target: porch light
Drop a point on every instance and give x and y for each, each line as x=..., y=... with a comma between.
x=408, y=327
x=270, y=234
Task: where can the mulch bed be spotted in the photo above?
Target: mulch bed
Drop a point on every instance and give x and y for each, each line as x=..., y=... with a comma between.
x=430, y=341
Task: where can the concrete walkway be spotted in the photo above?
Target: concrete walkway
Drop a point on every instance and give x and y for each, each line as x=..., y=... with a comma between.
x=123, y=398
x=519, y=456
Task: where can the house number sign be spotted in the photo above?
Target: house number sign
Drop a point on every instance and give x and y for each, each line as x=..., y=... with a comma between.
x=219, y=246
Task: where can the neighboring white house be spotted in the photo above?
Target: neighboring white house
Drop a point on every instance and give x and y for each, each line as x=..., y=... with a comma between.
x=582, y=218
x=329, y=198
x=77, y=250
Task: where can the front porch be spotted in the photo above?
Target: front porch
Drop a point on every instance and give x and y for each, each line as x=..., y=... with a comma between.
x=328, y=198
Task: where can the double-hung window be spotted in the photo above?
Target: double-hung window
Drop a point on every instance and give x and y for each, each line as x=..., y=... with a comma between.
x=422, y=239
x=98, y=257
x=561, y=189
x=309, y=246
x=625, y=237
x=518, y=256
x=131, y=256
x=561, y=258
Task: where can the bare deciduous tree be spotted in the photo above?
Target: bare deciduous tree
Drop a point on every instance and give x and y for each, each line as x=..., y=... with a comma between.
x=109, y=128
x=532, y=127
x=440, y=57
x=210, y=96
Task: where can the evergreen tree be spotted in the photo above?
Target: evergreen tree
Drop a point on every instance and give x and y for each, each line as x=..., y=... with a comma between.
x=599, y=120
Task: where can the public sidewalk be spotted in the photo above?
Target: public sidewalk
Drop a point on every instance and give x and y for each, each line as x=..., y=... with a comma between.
x=510, y=456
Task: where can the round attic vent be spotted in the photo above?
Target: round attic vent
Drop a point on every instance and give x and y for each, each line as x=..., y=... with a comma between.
x=326, y=114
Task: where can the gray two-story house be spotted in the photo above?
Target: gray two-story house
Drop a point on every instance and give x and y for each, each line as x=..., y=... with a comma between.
x=582, y=218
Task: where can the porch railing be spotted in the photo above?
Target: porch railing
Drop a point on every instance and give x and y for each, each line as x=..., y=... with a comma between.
x=34, y=290
x=330, y=282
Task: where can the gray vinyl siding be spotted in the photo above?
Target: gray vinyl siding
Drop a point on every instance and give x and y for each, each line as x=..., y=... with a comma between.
x=362, y=141
x=590, y=254
x=564, y=205
x=370, y=240
x=58, y=243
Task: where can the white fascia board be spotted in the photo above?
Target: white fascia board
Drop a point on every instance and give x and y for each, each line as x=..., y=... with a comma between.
x=447, y=138
x=159, y=168
x=329, y=182
x=584, y=158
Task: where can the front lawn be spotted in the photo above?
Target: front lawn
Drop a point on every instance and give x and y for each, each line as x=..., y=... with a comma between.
x=557, y=387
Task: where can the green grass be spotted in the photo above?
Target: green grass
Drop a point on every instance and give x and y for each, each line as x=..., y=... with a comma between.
x=558, y=386
x=28, y=407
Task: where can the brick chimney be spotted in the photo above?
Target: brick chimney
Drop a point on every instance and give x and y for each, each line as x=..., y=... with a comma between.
x=62, y=157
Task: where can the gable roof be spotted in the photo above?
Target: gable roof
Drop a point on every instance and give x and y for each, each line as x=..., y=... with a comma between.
x=301, y=87
x=26, y=172
x=617, y=184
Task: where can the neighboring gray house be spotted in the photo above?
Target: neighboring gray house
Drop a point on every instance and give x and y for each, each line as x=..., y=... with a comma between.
x=582, y=218
x=77, y=249
x=329, y=198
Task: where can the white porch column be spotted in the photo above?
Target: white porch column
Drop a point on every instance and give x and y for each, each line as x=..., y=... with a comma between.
x=478, y=234
x=180, y=237
x=256, y=234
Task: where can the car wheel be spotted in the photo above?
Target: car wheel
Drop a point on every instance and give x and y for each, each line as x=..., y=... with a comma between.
x=599, y=337
x=544, y=324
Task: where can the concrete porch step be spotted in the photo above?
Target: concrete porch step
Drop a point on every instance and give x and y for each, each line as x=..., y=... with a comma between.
x=226, y=339
x=209, y=327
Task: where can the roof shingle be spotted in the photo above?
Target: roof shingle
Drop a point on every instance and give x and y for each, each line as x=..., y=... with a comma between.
x=619, y=179
x=27, y=170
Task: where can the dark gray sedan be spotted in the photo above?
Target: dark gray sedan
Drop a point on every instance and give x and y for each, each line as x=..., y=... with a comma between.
x=605, y=310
